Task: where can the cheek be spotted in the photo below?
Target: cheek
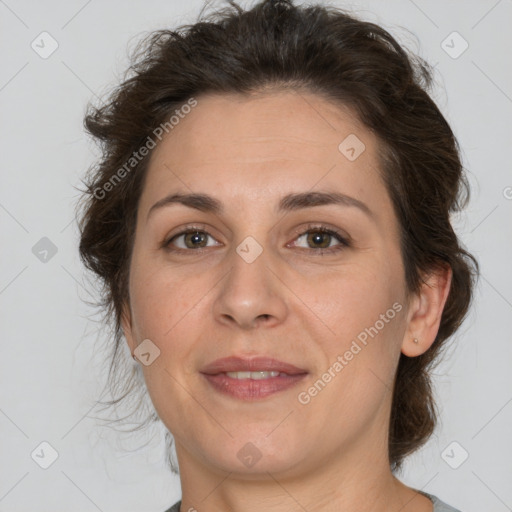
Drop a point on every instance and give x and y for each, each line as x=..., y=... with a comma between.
x=365, y=313
x=168, y=309
x=161, y=298
x=363, y=307
x=349, y=299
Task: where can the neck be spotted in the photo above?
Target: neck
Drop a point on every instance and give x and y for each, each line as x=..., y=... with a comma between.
x=344, y=482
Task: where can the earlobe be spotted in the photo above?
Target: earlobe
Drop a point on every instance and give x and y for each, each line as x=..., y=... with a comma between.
x=426, y=316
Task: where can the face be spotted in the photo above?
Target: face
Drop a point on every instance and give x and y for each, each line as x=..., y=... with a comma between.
x=279, y=270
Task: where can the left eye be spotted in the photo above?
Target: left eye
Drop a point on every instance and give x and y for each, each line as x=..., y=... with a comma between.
x=321, y=238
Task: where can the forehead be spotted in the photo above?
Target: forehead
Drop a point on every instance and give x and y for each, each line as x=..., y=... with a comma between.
x=263, y=125
x=265, y=144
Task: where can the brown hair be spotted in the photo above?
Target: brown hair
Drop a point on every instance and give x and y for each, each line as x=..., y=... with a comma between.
x=327, y=52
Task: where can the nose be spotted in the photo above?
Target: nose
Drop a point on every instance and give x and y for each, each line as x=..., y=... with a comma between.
x=251, y=295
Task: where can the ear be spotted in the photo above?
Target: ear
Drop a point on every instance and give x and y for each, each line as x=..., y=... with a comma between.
x=425, y=311
x=126, y=324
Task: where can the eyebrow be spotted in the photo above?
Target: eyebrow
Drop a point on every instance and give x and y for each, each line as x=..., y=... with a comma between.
x=290, y=202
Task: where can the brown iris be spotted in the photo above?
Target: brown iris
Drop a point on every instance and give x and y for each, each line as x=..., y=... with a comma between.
x=316, y=237
x=194, y=237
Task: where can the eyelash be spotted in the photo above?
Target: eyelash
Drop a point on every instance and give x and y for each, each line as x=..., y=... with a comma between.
x=344, y=242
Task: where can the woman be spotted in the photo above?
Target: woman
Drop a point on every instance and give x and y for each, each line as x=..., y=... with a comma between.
x=271, y=223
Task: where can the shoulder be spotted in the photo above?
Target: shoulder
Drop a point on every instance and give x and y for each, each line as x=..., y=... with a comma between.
x=439, y=506
x=175, y=507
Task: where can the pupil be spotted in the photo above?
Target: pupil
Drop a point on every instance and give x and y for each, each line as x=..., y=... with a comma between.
x=196, y=237
x=317, y=239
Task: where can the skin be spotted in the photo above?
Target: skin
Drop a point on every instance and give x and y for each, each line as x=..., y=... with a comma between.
x=290, y=303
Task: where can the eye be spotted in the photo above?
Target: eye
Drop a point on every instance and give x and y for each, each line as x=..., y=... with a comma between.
x=319, y=238
x=193, y=239
x=322, y=238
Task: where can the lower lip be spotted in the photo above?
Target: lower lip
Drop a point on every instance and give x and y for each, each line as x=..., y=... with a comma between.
x=250, y=389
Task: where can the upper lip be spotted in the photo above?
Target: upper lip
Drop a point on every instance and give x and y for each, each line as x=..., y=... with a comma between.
x=253, y=364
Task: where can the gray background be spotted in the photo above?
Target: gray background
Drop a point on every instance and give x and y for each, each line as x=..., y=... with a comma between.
x=52, y=350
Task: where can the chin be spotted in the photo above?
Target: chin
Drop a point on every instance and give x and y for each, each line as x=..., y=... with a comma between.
x=254, y=452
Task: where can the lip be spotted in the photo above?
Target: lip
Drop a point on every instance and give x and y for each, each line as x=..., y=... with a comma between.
x=253, y=364
x=249, y=389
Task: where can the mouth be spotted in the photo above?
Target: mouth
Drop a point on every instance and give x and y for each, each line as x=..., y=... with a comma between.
x=252, y=379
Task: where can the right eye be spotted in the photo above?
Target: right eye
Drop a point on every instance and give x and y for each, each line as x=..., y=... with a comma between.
x=190, y=239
